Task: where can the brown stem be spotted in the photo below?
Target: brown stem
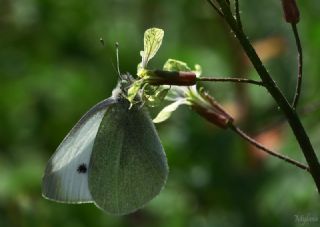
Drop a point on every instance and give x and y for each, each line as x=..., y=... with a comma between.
x=263, y=148
x=300, y=65
x=238, y=18
x=234, y=80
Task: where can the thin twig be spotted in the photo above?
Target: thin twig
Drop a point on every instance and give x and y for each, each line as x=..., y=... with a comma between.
x=234, y=80
x=215, y=8
x=238, y=18
x=300, y=65
x=263, y=148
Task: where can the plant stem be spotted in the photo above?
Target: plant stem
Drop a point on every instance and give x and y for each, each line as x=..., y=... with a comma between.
x=300, y=65
x=263, y=148
x=237, y=11
x=275, y=92
x=232, y=79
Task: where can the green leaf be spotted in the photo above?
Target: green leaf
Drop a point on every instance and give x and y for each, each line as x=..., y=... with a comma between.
x=197, y=69
x=167, y=111
x=134, y=89
x=152, y=42
x=155, y=96
x=176, y=65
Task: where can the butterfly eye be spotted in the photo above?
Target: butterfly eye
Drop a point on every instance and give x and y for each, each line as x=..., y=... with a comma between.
x=82, y=168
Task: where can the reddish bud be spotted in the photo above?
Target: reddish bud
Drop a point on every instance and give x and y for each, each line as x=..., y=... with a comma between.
x=213, y=112
x=161, y=77
x=215, y=117
x=291, y=11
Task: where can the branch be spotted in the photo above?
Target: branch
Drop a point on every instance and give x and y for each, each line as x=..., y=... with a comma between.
x=300, y=65
x=238, y=18
x=263, y=148
x=234, y=80
x=275, y=92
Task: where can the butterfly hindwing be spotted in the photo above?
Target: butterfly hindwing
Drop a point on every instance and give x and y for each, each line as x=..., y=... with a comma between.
x=66, y=174
x=128, y=166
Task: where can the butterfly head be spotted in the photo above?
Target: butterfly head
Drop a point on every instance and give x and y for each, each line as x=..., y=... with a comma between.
x=124, y=83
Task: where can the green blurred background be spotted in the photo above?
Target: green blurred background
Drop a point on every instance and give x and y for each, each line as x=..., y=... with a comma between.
x=53, y=68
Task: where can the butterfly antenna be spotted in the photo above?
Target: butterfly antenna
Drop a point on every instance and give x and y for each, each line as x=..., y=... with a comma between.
x=116, y=69
x=118, y=62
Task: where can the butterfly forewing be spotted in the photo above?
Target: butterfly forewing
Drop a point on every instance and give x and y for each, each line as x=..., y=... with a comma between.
x=66, y=174
x=128, y=166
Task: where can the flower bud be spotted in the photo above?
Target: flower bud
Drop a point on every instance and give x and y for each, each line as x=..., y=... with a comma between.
x=291, y=11
x=179, y=78
x=215, y=117
x=212, y=111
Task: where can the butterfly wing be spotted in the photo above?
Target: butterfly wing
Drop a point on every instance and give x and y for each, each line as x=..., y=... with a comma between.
x=66, y=175
x=128, y=166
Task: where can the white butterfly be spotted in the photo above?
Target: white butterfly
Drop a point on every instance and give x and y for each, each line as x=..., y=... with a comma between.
x=112, y=157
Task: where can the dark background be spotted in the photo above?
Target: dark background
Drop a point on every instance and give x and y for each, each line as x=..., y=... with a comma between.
x=53, y=69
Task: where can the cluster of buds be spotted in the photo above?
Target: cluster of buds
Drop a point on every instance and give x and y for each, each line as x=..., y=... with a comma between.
x=175, y=82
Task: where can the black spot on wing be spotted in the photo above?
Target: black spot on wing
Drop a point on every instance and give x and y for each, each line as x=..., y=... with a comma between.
x=82, y=168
